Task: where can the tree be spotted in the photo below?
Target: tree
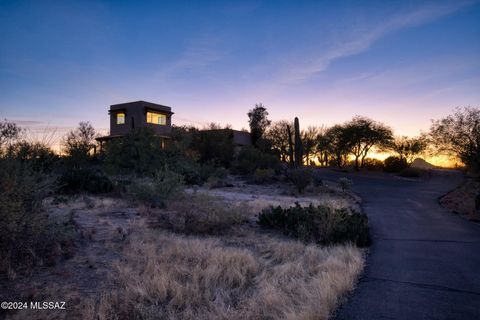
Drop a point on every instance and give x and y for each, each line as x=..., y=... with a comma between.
x=407, y=148
x=310, y=142
x=338, y=144
x=258, y=121
x=458, y=134
x=278, y=135
x=322, y=148
x=79, y=143
x=9, y=132
x=363, y=134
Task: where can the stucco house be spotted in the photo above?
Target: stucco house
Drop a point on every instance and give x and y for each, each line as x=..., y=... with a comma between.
x=126, y=117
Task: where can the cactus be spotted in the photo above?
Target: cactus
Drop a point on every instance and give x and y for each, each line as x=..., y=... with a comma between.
x=298, y=145
x=290, y=145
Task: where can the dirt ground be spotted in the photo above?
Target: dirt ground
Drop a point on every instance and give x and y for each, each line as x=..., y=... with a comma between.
x=462, y=199
x=107, y=226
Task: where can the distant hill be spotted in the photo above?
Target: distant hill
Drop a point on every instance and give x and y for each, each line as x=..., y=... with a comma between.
x=420, y=163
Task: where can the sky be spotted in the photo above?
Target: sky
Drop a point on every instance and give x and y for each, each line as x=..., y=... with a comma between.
x=399, y=62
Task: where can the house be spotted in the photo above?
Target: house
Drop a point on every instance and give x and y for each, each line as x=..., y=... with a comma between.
x=126, y=117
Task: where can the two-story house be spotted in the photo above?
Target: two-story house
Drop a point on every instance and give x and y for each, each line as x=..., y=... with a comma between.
x=126, y=117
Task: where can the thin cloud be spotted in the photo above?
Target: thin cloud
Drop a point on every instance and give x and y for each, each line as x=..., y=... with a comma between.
x=361, y=42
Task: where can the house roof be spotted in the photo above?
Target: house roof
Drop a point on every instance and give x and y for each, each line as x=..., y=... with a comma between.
x=141, y=104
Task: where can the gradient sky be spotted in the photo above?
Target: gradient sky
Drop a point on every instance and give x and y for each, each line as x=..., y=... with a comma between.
x=401, y=62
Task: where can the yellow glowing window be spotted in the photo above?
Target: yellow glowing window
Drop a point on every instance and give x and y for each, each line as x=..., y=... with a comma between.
x=156, y=118
x=120, y=118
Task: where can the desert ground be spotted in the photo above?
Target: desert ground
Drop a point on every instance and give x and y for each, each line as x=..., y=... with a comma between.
x=203, y=256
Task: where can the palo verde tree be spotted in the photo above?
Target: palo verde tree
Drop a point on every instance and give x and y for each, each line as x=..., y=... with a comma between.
x=363, y=134
x=458, y=134
x=258, y=121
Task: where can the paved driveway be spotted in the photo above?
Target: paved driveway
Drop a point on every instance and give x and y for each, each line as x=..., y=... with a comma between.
x=424, y=262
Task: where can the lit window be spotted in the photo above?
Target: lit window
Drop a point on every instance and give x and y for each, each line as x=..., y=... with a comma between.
x=120, y=118
x=156, y=118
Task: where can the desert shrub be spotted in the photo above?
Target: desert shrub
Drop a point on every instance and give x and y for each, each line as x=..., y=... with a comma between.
x=345, y=184
x=395, y=164
x=214, y=146
x=84, y=179
x=139, y=151
x=373, y=164
x=322, y=224
x=28, y=236
x=38, y=156
x=263, y=175
x=410, y=173
x=164, y=185
x=249, y=159
x=201, y=214
x=300, y=177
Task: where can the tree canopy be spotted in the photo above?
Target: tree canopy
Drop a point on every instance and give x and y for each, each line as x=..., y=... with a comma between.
x=458, y=134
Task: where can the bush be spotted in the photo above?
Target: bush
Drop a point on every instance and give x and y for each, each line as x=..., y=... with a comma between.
x=345, y=184
x=263, y=175
x=139, y=151
x=28, y=236
x=164, y=185
x=300, y=177
x=84, y=179
x=201, y=214
x=37, y=156
x=322, y=224
x=410, y=173
x=249, y=159
x=373, y=164
x=395, y=164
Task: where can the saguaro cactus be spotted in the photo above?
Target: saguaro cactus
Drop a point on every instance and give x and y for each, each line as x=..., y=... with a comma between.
x=298, y=145
x=290, y=146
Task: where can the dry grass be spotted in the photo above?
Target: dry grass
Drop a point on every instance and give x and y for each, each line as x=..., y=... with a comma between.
x=214, y=266
x=170, y=276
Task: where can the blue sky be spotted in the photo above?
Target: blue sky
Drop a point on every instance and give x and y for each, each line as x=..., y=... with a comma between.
x=401, y=62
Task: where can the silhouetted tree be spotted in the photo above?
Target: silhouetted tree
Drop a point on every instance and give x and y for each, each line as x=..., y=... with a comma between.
x=310, y=143
x=277, y=134
x=407, y=148
x=258, y=121
x=79, y=144
x=363, y=134
x=323, y=146
x=338, y=144
x=459, y=134
x=9, y=132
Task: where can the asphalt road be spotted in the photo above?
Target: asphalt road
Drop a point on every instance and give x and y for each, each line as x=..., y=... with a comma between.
x=424, y=262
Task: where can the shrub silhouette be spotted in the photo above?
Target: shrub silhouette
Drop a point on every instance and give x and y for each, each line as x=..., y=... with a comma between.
x=322, y=224
x=395, y=164
x=300, y=177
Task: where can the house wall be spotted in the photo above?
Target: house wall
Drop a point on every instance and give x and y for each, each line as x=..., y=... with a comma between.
x=136, y=117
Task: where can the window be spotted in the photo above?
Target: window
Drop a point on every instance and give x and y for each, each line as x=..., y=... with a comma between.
x=156, y=118
x=120, y=118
